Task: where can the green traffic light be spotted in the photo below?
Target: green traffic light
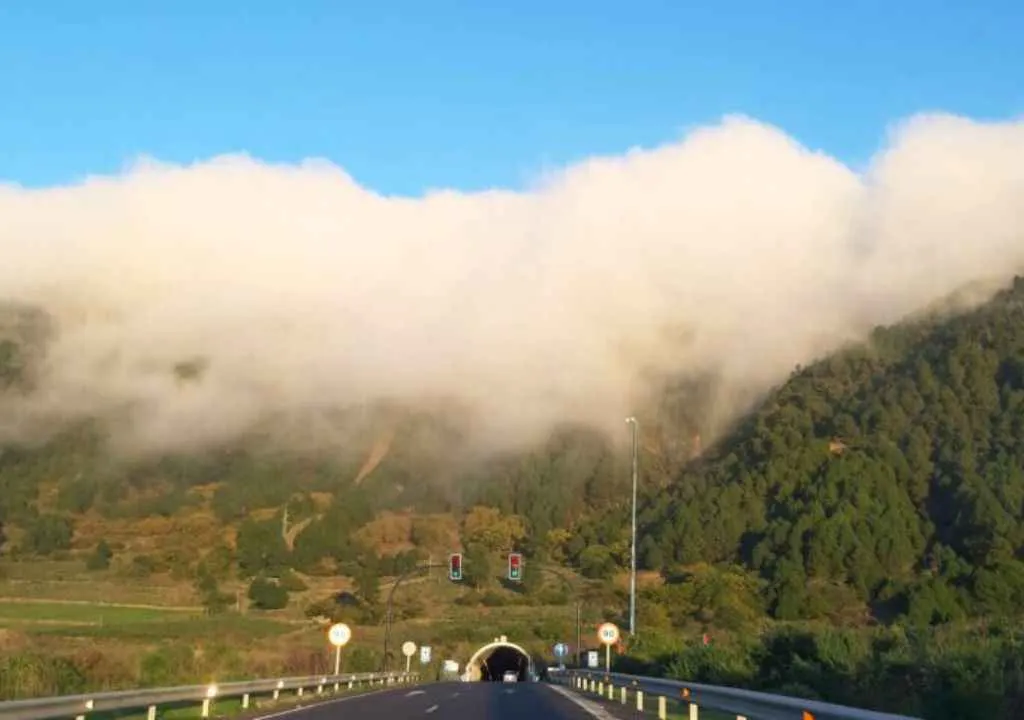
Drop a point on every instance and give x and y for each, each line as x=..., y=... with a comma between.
x=515, y=566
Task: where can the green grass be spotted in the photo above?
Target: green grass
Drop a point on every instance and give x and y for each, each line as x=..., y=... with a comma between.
x=223, y=627
x=19, y=571
x=83, y=619
x=54, y=600
x=83, y=613
x=98, y=591
x=69, y=580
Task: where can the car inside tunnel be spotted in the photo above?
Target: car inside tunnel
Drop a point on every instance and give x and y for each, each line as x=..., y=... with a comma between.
x=502, y=660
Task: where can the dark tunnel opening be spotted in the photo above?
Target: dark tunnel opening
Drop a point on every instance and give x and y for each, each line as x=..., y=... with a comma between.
x=502, y=660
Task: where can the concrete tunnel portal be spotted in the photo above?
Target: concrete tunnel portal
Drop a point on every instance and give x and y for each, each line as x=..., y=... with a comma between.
x=493, y=660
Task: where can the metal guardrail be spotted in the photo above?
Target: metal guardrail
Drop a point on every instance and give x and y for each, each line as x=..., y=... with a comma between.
x=743, y=704
x=81, y=706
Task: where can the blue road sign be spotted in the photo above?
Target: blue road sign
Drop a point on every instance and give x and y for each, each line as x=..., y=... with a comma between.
x=561, y=650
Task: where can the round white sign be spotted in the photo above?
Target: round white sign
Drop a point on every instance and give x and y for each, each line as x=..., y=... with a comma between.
x=409, y=648
x=339, y=635
x=608, y=633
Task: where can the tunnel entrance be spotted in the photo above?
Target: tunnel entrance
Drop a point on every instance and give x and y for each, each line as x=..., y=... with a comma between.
x=504, y=659
x=492, y=662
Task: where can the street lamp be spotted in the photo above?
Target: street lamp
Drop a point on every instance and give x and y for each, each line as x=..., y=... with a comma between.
x=632, y=559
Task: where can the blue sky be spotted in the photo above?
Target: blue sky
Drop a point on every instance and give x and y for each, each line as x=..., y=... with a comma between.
x=411, y=95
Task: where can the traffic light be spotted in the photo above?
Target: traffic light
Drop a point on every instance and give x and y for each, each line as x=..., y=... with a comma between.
x=515, y=566
x=455, y=566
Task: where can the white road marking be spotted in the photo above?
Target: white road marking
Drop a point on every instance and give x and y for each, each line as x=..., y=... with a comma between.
x=416, y=692
x=591, y=708
x=432, y=708
x=335, y=701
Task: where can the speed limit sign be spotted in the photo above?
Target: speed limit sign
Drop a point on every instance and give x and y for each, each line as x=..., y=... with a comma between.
x=608, y=633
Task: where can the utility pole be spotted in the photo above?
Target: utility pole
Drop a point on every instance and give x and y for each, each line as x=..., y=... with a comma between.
x=632, y=570
x=579, y=649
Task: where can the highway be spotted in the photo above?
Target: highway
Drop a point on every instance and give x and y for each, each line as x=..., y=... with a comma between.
x=453, y=701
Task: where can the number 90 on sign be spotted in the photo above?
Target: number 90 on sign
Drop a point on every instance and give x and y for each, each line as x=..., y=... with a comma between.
x=339, y=635
x=608, y=633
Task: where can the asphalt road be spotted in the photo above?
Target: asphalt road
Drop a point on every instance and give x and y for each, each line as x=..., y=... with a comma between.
x=454, y=701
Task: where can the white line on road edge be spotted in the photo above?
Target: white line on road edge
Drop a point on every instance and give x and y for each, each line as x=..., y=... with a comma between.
x=591, y=708
x=416, y=692
x=325, y=703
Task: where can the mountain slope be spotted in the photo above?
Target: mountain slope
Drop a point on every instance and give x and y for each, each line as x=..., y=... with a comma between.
x=889, y=474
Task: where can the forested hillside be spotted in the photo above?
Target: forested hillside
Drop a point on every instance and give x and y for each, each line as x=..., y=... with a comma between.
x=890, y=475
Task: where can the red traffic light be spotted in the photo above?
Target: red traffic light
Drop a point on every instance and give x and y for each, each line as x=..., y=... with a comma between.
x=455, y=566
x=515, y=566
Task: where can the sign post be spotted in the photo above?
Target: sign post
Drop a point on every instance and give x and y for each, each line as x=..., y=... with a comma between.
x=338, y=635
x=608, y=634
x=408, y=649
x=561, y=650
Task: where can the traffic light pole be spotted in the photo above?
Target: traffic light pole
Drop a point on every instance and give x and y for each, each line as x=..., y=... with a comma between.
x=579, y=609
x=579, y=637
x=388, y=614
x=389, y=610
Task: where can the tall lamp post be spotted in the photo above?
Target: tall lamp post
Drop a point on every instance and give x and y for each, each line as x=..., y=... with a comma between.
x=632, y=570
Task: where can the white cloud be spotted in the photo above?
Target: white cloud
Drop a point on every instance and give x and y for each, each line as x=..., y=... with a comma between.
x=306, y=292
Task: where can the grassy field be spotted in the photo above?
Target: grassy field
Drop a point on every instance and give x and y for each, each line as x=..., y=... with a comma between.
x=134, y=624
x=69, y=580
x=63, y=598
x=121, y=631
x=83, y=613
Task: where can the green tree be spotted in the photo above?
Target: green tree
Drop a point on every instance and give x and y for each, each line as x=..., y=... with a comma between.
x=218, y=561
x=367, y=580
x=367, y=587
x=891, y=469
x=532, y=580
x=260, y=548
x=100, y=557
x=215, y=601
x=266, y=594
x=48, y=534
x=478, y=567
x=649, y=554
x=596, y=562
